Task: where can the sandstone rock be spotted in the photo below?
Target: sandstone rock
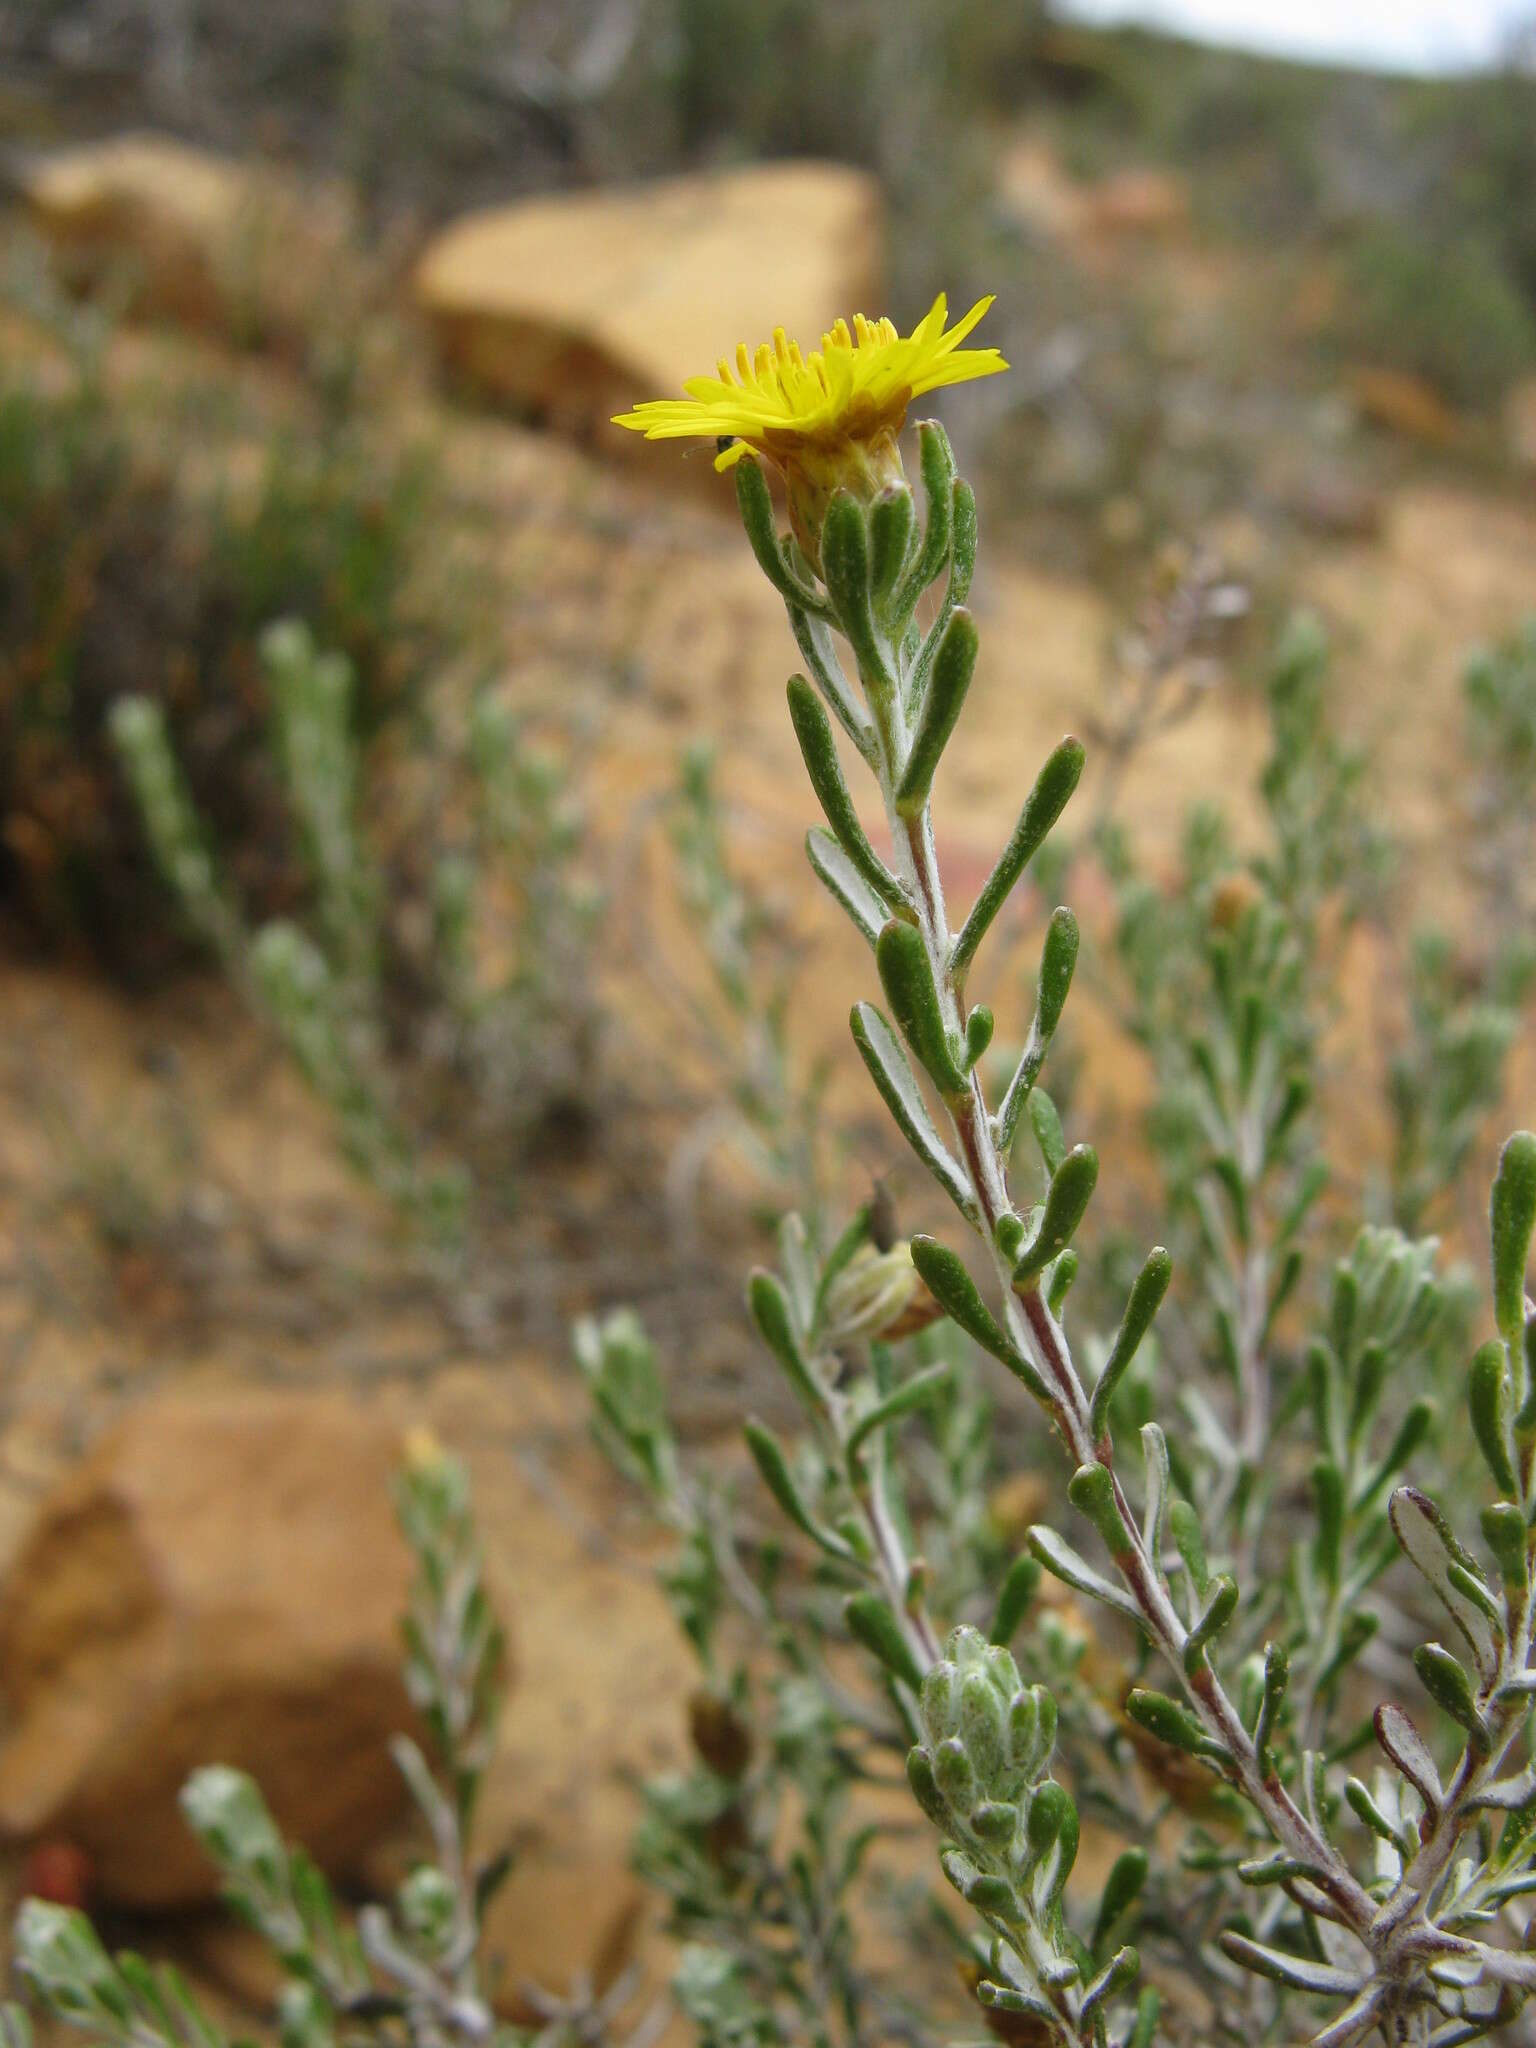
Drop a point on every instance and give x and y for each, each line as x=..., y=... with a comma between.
x=1137, y=203
x=571, y=308
x=220, y=1580
x=1036, y=190
x=1035, y=187
x=201, y=239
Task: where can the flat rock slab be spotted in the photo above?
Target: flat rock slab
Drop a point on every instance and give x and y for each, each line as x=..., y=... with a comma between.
x=571, y=308
x=220, y=1581
x=201, y=239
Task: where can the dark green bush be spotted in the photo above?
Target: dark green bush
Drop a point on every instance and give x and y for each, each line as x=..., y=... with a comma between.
x=114, y=582
x=1446, y=311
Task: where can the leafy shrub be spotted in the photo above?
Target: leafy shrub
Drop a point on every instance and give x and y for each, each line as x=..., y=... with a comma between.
x=113, y=582
x=1444, y=310
x=1243, y=1522
x=1214, y=1679
x=485, y=1055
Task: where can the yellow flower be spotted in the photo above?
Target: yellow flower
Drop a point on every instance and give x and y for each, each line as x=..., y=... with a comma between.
x=854, y=389
x=828, y=421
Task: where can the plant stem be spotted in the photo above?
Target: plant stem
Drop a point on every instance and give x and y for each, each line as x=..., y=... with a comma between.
x=1040, y=1337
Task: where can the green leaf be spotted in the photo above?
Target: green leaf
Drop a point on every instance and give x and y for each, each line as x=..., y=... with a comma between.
x=770, y=1311
x=1064, y=1563
x=768, y=1455
x=1008, y=1998
x=892, y=529
x=1042, y=807
x=1328, y=1499
x=1146, y=1298
x=1297, y=1973
x=845, y=883
x=1046, y=1125
x=1490, y=1402
x=845, y=570
x=925, y=1787
x=1220, y=1606
x=944, y=1273
x=1019, y=1586
x=1066, y=1204
x=1511, y=1221
x=1149, y=2008
x=1091, y=1490
x=1258, y=1871
x=1407, y=1752
x=917, y=1392
x=1058, y=959
x=757, y=516
x=1449, y=1686
x=1411, y=1432
x=1430, y=1545
x=1063, y=1273
x=1157, y=1467
x=1008, y=1234
x=937, y=463
x=1365, y=1809
x=1048, y=1815
x=1184, y=1525
x=907, y=978
x=979, y=1888
x=1053, y=1831
x=813, y=637
x=1122, y=1888
x=1117, y=1975
x=1505, y=1534
x=852, y=1238
x=949, y=679
x=963, y=537
x=1173, y=1724
x=874, y=1624
x=818, y=749
x=979, y=1027
x=881, y=1052
x=1277, y=1677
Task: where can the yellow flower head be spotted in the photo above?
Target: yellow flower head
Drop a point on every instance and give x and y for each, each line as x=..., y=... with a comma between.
x=855, y=387
x=827, y=419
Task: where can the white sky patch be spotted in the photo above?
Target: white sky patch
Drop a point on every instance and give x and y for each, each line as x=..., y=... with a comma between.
x=1396, y=35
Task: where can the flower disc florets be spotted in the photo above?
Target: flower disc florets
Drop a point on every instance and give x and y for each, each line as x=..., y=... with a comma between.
x=828, y=420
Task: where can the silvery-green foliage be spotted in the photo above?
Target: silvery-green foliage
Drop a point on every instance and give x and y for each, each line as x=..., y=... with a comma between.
x=772, y=1114
x=1447, y=1075
x=1315, y=1903
x=1011, y=1833
x=1467, y=988
x=118, y=1999
x=510, y=1043
x=409, y=1972
x=525, y=1036
x=761, y=1848
x=1500, y=692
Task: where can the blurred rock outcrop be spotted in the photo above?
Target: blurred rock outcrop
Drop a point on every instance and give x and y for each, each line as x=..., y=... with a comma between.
x=195, y=237
x=573, y=307
x=220, y=1580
